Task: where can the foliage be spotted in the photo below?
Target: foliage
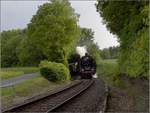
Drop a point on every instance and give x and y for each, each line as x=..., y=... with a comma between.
x=9, y=44
x=52, y=34
x=54, y=71
x=52, y=30
x=129, y=21
x=94, y=51
x=29, y=54
x=87, y=39
x=110, y=53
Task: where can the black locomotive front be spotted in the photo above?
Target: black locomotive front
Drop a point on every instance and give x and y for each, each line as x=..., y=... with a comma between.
x=87, y=73
x=87, y=67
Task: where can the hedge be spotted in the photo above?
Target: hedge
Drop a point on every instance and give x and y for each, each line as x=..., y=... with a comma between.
x=54, y=71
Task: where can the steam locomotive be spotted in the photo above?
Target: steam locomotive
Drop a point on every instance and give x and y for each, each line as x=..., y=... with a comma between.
x=84, y=67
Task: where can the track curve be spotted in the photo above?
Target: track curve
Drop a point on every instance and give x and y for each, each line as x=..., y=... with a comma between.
x=52, y=102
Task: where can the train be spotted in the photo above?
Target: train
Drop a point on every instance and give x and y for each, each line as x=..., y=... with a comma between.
x=80, y=69
x=87, y=73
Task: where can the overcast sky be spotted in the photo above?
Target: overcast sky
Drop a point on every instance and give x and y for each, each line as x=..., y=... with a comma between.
x=17, y=14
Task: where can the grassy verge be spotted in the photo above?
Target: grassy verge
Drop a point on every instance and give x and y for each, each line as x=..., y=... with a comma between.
x=126, y=94
x=108, y=70
x=7, y=73
x=26, y=89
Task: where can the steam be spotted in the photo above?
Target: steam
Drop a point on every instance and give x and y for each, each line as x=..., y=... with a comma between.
x=95, y=76
x=81, y=50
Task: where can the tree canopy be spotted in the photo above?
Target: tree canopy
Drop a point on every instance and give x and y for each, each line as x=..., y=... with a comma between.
x=129, y=21
x=110, y=53
x=9, y=45
x=87, y=39
x=51, y=30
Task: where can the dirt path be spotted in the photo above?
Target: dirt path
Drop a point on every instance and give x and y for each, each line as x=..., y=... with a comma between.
x=133, y=96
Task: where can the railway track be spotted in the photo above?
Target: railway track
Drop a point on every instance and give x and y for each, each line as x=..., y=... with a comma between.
x=52, y=102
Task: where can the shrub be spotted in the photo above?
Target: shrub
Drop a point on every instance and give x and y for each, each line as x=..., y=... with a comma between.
x=54, y=71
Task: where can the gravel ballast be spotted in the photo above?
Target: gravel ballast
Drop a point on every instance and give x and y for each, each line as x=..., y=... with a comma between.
x=92, y=100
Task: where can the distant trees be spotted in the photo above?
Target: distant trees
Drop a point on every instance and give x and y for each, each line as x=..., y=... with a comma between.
x=9, y=46
x=51, y=35
x=129, y=21
x=87, y=39
x=110, y=53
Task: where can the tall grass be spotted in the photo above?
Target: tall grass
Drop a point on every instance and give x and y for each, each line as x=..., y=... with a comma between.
x=108, y=70
x=7, y=73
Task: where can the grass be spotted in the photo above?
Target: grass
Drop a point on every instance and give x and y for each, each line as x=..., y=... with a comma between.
x=24, y=88
x=108, y=70
x=110, y=61
x=27, y=89
x=7, y=73
x=108, y=67
x=123, y=89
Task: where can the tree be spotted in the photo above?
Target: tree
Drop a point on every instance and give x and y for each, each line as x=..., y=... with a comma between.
x=51, y=30
x=95, y=52
x=129, y=21
x=29, y=54
x=9, y=44
x=87, y=39
x=110, y=53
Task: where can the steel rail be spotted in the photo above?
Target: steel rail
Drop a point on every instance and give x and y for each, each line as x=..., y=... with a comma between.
x=40, y=98
x=71, y=98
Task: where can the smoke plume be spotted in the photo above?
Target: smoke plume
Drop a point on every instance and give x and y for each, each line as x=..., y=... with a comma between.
x=81, y=50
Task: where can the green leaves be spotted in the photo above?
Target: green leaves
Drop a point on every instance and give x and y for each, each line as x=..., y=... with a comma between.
x=54, y=71
x=110, y=53
x=129, y=21
x=53, y=28
x=9, y=44
x=87, y=39
x=51, y=34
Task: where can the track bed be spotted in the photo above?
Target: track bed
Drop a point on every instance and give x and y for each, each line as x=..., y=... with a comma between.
x=84, y=96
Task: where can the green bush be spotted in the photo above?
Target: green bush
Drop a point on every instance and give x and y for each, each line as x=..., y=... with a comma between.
x=54, y=71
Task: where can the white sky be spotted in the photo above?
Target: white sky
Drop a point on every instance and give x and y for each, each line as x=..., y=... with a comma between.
x=17, y=14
